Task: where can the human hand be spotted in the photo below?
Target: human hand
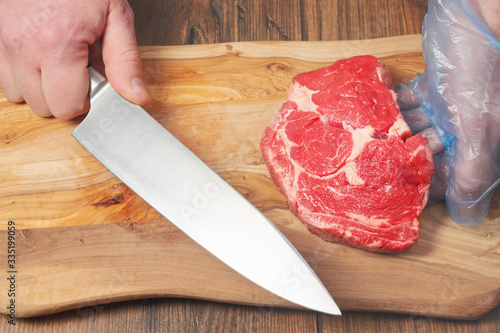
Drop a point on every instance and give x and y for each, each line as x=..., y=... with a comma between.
x=456, y=103
x=45, y=48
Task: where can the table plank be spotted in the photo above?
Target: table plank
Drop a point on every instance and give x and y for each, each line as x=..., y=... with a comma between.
x=203, y=22
x=179, y=315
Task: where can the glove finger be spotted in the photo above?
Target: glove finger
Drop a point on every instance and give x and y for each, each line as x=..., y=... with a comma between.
x=473, y=179
x=407, y=99
x=468, y=212
x=435, y=144
x=416, y=119
x=440, y=179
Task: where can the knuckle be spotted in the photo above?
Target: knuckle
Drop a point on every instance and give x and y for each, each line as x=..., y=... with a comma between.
x=123, y=12
x=131, y=57
x=70, y=108
x=27, y=37
x=127, y=14
x=50, y=36
x=11, y=37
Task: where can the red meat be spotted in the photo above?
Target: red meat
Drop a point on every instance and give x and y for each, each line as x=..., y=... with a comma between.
x=341, y=153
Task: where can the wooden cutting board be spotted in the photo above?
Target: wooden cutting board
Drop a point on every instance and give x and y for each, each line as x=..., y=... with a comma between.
x=83, y=238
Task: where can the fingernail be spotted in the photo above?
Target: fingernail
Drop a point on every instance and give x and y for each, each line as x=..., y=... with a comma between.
x=138, y=87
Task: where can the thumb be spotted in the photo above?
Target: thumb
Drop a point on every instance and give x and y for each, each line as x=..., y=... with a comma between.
x=120, y=54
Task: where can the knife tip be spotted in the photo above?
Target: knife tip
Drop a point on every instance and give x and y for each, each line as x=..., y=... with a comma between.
x=318, y=299
x=329, y=307
x=332, y=310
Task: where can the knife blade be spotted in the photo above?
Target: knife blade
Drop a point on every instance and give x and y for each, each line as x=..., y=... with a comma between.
x=174, y=181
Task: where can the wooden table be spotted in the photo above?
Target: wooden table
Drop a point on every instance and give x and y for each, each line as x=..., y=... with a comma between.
x=201, y=22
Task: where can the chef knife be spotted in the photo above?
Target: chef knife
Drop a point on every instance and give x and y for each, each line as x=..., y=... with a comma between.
x=174, y=181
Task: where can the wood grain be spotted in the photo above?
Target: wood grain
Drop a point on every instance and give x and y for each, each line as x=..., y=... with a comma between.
x=49, y=180
x=206, y=22
x=217, y=99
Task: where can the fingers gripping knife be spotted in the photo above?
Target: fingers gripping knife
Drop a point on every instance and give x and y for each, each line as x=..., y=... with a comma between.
x=167, y=175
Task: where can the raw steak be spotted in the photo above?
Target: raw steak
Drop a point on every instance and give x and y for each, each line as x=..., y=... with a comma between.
x=345, y=159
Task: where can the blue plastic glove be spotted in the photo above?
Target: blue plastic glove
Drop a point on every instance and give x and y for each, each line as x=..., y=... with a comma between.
x=456, y=104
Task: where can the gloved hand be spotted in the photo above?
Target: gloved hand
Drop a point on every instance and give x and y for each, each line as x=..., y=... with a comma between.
x=456, y=103
x=45, y=48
